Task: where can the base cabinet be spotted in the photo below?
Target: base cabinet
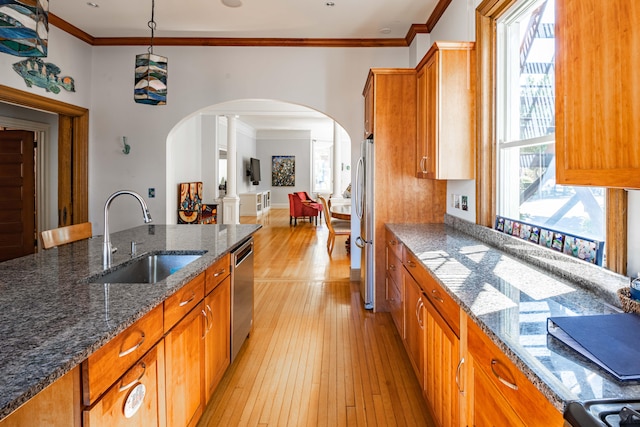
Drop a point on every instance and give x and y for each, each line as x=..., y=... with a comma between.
x=143, y=384
x=184, y=354
x=217, y=343
x=489, y=407
x=442, y=363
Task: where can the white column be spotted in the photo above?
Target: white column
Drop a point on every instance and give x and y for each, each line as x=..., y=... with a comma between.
x=337, y=162
x=231, y=202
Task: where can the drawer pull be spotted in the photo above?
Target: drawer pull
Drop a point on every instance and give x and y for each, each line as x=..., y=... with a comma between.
x=392, y=242
x=411, y=264
x=220, y=272
x=193, y=296
x=502, y=380
x=458, y=375
x=210, y=311
x=134, y=348
x=392, y=267
x=134, y=382
x=434, y=294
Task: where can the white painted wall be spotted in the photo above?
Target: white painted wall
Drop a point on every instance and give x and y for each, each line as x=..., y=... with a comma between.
x=284, y=143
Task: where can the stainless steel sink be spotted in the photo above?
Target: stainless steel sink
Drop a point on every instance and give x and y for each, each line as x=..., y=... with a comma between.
x=150, y=268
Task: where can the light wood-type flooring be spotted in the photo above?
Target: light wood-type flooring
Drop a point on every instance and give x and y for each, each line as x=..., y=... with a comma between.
x=315, y=357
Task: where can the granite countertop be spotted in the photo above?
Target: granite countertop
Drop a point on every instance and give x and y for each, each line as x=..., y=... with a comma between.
x=52, y=318
x=509, y=288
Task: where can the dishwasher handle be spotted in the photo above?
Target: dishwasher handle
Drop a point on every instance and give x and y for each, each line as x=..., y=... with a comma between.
x=243, y=252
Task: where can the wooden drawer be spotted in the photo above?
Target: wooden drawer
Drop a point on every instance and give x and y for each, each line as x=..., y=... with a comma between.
x=394, y=266
x=180, y=303
x=525, y=399
x=217, y=273
x=441, y=300
x=394, y=244
x=109, y=410
x=108, y=363
x=394, y=302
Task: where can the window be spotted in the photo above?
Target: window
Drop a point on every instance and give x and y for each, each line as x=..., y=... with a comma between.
x=525, y=122
x=322, y=171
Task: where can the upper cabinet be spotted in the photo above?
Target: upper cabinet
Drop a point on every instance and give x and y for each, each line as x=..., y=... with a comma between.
x=445, y=144
x=597, y=93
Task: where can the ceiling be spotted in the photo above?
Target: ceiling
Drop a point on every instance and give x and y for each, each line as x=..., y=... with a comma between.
x=367, y=20
x=346, y=19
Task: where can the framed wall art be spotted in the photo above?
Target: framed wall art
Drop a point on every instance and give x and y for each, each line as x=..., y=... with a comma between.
x=283, y=171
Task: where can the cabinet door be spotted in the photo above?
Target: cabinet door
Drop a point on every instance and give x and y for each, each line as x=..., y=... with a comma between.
x=597, y=93
x=217, y=337
x=414, y=324
x=490, y=409
x=184, y=354
x=109, y=411
x=441, y=368
x=421, y=124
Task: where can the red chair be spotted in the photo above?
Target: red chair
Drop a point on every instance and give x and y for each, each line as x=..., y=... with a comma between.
x=307, y=200
x=297, y=209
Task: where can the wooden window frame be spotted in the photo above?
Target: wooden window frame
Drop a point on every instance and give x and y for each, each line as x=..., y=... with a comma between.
x=487, y=14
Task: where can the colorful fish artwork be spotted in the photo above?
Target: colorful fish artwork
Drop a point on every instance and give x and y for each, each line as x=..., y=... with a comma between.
x=35, y=71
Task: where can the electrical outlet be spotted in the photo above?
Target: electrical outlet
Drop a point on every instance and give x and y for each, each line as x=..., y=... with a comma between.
x=464, y=202
x=152, y=193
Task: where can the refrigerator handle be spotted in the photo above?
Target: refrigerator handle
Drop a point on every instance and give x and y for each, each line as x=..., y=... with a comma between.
x=360, y=242
x=358, y=196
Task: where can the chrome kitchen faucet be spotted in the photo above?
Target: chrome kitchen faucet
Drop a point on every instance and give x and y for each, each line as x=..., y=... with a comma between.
x=107, y=249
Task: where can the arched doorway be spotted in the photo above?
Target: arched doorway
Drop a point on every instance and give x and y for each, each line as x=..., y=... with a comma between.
x=196, y=149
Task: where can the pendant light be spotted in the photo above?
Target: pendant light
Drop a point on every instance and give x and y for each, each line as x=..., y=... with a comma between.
x=24, y=27
x=151, y=73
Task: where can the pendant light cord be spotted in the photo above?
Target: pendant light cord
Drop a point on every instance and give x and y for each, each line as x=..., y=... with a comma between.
x=152, y=24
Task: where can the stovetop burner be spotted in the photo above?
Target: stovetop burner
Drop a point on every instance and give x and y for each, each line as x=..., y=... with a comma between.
x=603, y=413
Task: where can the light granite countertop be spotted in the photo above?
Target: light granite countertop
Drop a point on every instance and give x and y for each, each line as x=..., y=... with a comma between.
x=509, y=288
x=52, y=318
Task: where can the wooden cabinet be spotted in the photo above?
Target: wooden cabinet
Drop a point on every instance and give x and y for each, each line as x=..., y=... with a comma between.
x=58, y=405
x=394, y=293
x=501, y=390
x=103, y=368
x=414, y=324
x=218, y=335
x=442, y=363
x=110, y=410
x=390, y=104
x=184, y=357
x=597, y=93
x=445, y=142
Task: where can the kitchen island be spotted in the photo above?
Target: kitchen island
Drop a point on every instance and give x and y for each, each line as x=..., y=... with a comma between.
x=507, y=288
x=53, y=318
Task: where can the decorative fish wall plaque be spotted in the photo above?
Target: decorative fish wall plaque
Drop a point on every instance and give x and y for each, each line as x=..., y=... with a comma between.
x=34, y=71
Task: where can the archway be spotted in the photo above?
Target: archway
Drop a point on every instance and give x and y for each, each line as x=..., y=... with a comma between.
x=264, y=128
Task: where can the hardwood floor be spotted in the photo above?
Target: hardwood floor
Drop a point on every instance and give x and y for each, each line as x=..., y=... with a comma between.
x=315, y=357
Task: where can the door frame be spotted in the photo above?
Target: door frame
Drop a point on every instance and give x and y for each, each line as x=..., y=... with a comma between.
x=73, y=151
x=43, y=156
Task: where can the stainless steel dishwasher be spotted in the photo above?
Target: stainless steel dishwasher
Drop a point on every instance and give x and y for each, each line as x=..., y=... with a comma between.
x=241, y=296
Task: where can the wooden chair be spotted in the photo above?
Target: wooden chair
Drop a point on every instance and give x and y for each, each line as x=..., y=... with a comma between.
x=337, y=227
x=62, y=235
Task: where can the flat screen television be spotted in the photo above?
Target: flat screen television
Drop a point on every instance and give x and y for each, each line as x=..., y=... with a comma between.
x=254, y=171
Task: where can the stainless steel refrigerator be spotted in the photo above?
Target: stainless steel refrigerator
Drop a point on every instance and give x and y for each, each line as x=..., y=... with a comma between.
x=364, y=210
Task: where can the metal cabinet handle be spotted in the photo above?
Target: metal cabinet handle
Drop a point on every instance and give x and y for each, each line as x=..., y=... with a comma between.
x=392, y=242
x=502, y=380
x=458, y=375
x=220, y=273
x=134, y=382
x=210, y=311
x=419, y=305
x=206, y=319
x=411, y=264
x=392, y=267
x=434, y=294
x=123, y=353
x=193, y=296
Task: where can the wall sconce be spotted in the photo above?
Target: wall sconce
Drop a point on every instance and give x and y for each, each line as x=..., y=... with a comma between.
x=24, y=28
x=151, y=73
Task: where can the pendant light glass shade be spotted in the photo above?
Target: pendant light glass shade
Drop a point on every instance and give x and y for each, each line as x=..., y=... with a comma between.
x=151, y=73
x=24, y=27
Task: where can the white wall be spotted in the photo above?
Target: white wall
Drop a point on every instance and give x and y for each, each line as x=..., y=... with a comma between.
x=284, y=143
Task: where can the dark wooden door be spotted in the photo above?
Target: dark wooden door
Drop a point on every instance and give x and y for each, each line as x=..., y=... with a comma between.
x=17, y=194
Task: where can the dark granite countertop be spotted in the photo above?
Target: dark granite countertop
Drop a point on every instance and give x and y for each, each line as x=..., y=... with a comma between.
x=509, y=288
x=51, y=318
